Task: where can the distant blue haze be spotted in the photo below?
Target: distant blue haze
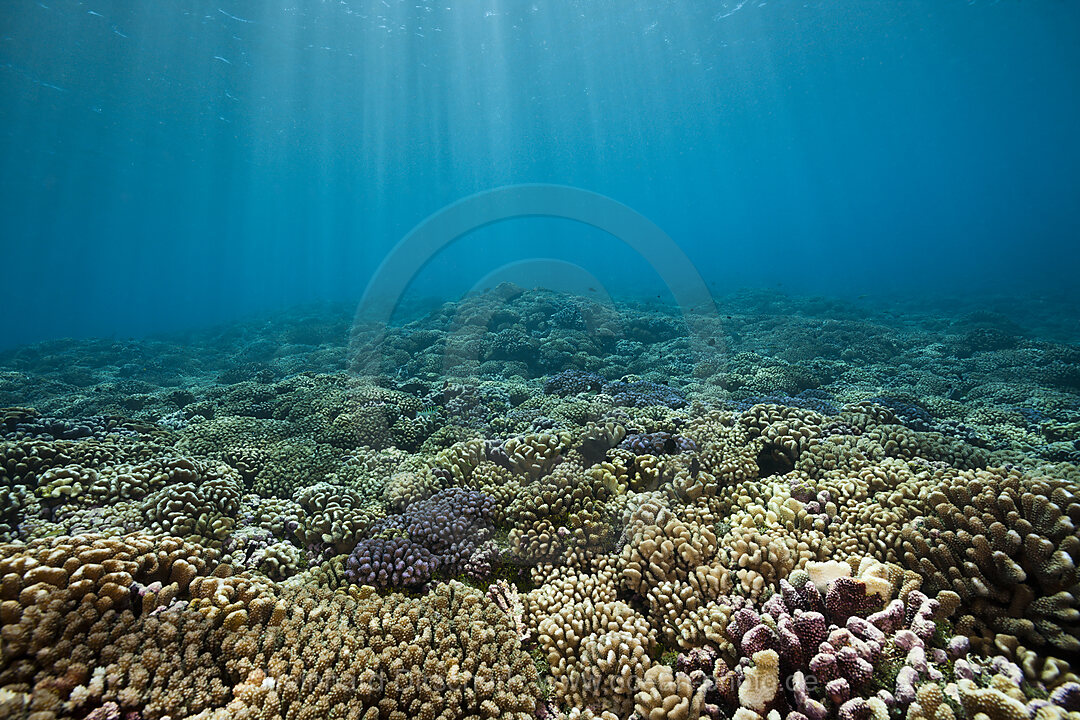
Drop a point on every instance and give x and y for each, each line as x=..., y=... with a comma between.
x=169, y=163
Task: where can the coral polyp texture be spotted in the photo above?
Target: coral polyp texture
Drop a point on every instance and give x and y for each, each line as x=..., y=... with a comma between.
x=535, y=505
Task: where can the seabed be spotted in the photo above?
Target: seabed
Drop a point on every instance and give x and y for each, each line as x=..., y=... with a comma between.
x=529, y=504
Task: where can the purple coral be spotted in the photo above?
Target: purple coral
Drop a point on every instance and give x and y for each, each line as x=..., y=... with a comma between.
x=452, y=525
x=699, y=664
x=833, y=643
x=495, y=451
x=628, y=392
x=807, y=706
x=506, y=598
x=846, y=597
x=108, y=711
x=838, y=690
x=811, y=628
x=890, y=619
x=700, y=658
x=857, y=670
x=814, y=502
x=393, y=562
x=639, y=393
x=959, y=646
x=483, y=561
x=855, y=709
x=805, y=598
x=1067, y=696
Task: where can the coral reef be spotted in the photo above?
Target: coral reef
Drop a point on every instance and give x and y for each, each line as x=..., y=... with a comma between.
x=533, y=505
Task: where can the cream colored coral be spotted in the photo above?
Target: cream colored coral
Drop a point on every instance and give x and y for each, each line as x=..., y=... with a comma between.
x=611, y=665
x=707, y=623
x=930, y=704
x=995, y=702
x=666, y=695
x=823, y=573
x=583, y=645
x=761, y=684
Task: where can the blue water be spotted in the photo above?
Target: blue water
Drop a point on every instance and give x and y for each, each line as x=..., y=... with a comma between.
x=171, y=163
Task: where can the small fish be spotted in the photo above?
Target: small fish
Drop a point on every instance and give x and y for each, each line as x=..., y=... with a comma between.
x=233, y=17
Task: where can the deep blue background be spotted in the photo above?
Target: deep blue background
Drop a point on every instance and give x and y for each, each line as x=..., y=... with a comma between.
x=175, y=162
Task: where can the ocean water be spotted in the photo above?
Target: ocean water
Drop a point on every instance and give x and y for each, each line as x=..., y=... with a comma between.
x=390, y=359
x=193, y=162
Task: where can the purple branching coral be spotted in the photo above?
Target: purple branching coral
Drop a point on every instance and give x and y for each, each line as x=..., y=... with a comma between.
x=829, y=647
x=454, y=525
x=484, y=560
x=495, y=451
x=394, y=562
x=640, y=393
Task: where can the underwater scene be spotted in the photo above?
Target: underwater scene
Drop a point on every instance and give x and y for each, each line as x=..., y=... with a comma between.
x=615, y=360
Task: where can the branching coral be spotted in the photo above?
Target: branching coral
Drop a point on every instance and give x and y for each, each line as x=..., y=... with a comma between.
x=1007, y=544
x=730, y=542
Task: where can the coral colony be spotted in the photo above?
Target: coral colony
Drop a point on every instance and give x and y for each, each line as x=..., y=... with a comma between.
x=521, y=518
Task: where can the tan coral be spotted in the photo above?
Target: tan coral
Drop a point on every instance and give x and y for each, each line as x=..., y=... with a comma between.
x=533, y=454
x=461, y=459
x=1005, y=542
x=572, y=639
x=930, y=704
x=667, y=695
